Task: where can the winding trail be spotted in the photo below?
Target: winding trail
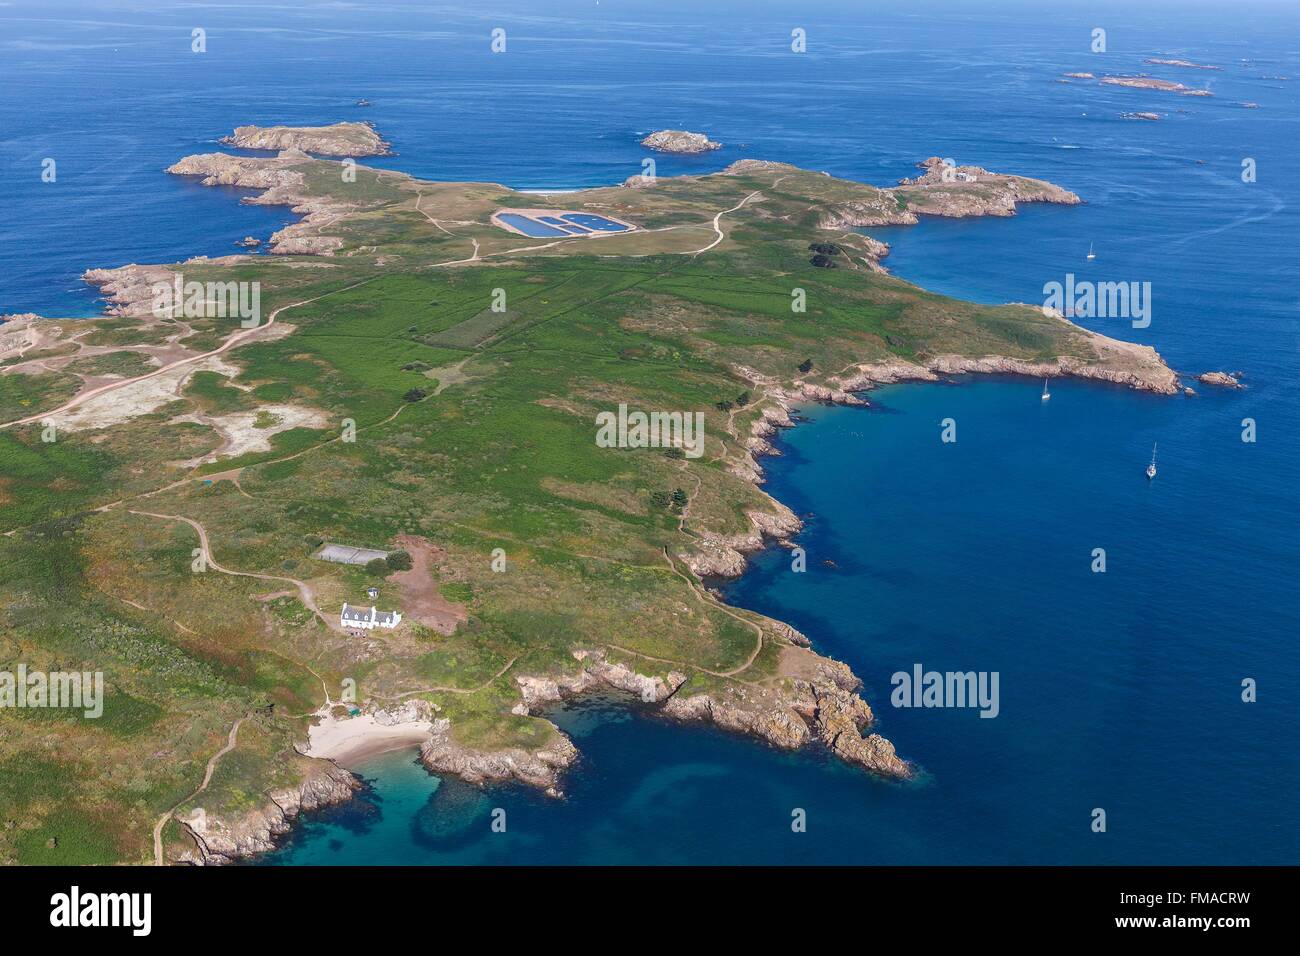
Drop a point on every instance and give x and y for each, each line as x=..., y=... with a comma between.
x=704, y=598
x=215, y=759
x=304, y=592
x=717, y=227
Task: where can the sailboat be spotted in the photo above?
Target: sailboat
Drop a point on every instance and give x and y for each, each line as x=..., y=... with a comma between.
x=1151, y=468
x=1046, y=393
x=1091, y=254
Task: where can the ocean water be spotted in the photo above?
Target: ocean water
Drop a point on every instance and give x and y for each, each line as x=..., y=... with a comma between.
x=1118, y=690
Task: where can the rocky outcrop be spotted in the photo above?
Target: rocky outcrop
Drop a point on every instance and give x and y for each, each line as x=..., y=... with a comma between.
x=822, y=707
x=964, y=191
x=679, y=141
x=538, y=768
x=341, y=139
x=723, y=556
x=596, y=671
x=280, y=174
x=1151, y=83
x=715, y=557
x=128, y=290
x=941, y=190
x=811, y=392
x=216, y=840
x=1221, y=379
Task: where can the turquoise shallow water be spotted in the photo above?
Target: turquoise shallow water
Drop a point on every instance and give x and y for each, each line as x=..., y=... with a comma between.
x=1118, y=690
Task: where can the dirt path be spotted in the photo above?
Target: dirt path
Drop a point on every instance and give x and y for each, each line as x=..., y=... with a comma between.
x=304, y=592
x=207, y=779
x=437, y=222
x=717, y=227
x=704, y=598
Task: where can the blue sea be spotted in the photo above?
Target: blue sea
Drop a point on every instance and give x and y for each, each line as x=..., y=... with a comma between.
x=1119, y=690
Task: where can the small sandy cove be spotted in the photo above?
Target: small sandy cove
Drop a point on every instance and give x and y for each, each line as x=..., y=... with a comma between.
x=350, y=740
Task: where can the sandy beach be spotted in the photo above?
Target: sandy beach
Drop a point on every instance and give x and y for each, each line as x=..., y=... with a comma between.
x=350, y=740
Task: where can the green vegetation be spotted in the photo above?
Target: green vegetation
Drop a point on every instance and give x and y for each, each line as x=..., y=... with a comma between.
x=124, y=363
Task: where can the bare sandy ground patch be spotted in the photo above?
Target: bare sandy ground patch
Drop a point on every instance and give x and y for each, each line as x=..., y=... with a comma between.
x=135, y=398
x=26, y=334
x=240, y=432
x=449, y=375
x=421, y=599
x=799, y=662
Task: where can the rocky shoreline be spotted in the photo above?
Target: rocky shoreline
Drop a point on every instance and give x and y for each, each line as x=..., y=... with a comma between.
x=216, y=841
x=821, y=704
x=1157, y=377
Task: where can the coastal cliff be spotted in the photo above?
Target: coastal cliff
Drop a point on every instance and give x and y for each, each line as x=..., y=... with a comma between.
x=1221, y=379
x=215, y=839
x=538, y=768
x=1146, y=372
x=962, y=191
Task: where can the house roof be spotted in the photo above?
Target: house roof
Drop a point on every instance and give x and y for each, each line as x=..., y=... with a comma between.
x=371, y=613
x=356, y=613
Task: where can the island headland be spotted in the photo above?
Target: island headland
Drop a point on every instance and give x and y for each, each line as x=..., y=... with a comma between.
x=379, y=399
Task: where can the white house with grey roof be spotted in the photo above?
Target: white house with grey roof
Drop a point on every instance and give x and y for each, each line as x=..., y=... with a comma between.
x=366, y=620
